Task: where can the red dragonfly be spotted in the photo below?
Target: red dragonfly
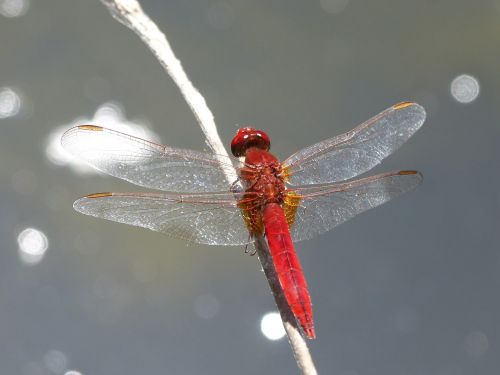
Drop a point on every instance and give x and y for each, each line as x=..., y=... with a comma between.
x=289, y=201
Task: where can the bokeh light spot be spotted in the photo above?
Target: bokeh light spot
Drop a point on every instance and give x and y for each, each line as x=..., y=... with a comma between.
x=144, y=270
x=109, y=115
x=10, y=102
x=464, y=88
x=33, y=244
x=476, y=344
x=55, y=361
x=272, y=326
x=14, y=8
x=206, y=306
x=72, y=372
x=406, y=320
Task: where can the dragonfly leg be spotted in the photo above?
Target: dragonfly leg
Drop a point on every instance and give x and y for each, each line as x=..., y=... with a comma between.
x=236, y=186
x=248, y=251
x=251, y=252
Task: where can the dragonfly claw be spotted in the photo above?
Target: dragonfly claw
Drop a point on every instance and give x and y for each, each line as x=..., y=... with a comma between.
x=251, y=252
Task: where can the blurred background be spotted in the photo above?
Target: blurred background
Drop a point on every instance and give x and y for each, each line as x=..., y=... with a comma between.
x=408, y=288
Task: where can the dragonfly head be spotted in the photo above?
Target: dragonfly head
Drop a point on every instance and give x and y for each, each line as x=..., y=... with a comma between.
x=248, y=137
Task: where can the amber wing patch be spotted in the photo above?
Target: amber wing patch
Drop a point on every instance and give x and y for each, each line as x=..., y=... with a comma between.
x=252, y=215
x=285, y=174
x=290, y=205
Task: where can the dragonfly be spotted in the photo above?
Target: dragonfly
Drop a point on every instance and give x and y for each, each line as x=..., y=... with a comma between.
x=307, y=194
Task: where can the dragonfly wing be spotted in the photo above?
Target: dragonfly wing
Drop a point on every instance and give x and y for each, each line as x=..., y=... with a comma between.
x=211, y=219
x=357, y=151
x=321, y=208
x=149, y=164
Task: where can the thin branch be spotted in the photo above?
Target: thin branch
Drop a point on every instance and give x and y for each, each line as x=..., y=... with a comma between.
x=130, y=13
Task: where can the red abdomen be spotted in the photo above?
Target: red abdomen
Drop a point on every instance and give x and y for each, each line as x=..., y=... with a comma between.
x=288, y=267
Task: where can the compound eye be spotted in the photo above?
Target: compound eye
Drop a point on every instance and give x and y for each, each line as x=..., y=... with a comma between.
x=247, y=138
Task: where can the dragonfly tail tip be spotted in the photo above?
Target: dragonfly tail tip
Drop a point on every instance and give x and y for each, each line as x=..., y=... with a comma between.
x=310, y=333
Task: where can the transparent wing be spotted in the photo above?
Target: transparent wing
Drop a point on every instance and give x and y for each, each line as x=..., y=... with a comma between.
x=357, y=151
x=149, y=164
x=211, y=219
x=321, y=208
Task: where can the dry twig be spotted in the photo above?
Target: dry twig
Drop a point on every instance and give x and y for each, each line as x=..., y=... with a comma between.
x=130, y=13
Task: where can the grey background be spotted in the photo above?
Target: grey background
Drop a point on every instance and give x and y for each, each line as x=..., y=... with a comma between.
x=409, y=288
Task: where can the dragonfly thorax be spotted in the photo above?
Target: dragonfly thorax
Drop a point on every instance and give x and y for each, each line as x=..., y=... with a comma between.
x=262, y=175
